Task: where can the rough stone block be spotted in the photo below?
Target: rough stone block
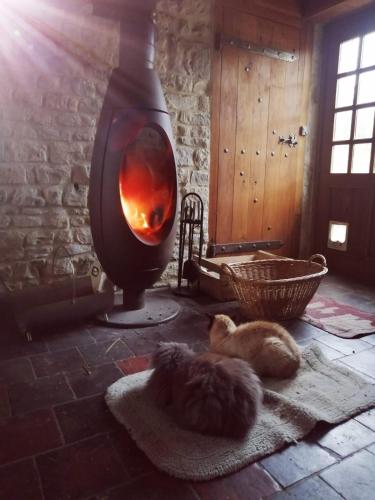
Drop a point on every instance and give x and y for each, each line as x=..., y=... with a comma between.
x=61, y=152
x=63, y=237
x=46, y=174
x=25, y=151
x=5, y=194
x=28, y=197
x=27, y=221
x=5, y=220
x=201, y=158
x=83, y=236
x=53, y=195
x=184, y=157
x=12, y=174
x=40, y=237
x=75, y=196
x=60, y=101
x=11, y=244
x=81, y=174
x=57, y=220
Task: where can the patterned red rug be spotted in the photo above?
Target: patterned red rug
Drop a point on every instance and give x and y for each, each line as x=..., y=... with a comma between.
x=339, y=319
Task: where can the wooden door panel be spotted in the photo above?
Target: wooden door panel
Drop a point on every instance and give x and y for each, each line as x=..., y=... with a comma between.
x=256, y=178
x=258, y=143
x=281, y=165
x=227, y=144
x=252, y=118
x=242, y=165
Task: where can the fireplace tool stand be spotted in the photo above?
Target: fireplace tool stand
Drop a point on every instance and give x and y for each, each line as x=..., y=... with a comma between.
x=191, y=225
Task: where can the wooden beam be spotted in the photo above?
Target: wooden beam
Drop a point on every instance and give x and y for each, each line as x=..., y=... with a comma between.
x=326, y=10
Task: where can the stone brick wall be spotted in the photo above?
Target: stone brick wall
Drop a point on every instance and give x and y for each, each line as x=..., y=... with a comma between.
x=57, y=68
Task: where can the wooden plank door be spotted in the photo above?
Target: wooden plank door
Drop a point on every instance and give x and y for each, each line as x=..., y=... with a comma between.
x=256, y=187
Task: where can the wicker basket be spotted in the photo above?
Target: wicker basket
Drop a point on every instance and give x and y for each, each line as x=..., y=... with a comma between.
x=275, y=289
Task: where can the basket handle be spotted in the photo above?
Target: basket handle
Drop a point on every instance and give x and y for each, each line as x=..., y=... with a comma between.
x=228, y=270
x=318, y=257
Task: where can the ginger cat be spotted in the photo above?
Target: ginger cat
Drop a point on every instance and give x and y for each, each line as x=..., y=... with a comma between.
x=268, y=347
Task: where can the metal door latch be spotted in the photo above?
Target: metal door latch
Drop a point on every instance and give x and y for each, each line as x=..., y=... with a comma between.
x=291, y=140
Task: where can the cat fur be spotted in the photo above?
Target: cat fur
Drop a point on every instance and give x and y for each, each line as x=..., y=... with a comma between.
x=208, y=393
x=267, y=346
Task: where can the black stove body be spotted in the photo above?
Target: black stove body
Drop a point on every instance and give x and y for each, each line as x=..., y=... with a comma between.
x=133, y=181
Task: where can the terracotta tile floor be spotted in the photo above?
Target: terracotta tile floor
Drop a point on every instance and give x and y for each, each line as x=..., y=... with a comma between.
x=58, y=441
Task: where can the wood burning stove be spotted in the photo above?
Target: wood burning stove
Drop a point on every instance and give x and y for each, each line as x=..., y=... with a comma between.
x=133, y=182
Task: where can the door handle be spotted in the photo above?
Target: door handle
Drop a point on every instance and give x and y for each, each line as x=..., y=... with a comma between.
x=291, y=140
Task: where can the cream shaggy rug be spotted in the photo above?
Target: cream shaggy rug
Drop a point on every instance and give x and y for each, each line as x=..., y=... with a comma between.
x=321, y=391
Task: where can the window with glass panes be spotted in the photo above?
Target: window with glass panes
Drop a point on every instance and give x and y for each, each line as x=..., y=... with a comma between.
x=353, y=125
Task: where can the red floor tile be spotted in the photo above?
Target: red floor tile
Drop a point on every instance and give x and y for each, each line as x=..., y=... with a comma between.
x=251, y=482
x=297, y=462
x=135, y=364
x=354, y=477
x=28, y=435
x=80, y=470
x=84, y=418
x=19, y=482
x=57, y=362
x=347, y=438
x=96, y=382
x=40, y=393
x=154, y=487
x=16, y=370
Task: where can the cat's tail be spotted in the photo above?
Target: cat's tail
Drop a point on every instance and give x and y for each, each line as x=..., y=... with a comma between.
x=284, y=358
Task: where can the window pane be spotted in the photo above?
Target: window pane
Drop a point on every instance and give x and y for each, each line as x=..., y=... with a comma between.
x=364, y=123
x=348, y=58
x=339, y=159
x=361, y=158
x=366, y=87
x=342, y=126
x=368, y=50
x=345, y=91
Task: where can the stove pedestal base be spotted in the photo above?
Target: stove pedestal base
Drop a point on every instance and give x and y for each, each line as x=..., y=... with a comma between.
x=158, y=308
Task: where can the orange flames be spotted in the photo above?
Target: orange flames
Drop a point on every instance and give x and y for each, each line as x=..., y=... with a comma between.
x=146, y=194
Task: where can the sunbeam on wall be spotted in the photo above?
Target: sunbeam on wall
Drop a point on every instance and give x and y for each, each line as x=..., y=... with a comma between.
x=56, y=58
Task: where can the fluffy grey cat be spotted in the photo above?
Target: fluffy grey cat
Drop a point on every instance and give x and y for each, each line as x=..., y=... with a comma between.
x=209, y=393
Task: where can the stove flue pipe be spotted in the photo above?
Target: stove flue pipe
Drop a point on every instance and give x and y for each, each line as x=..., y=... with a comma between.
x=137, y=40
